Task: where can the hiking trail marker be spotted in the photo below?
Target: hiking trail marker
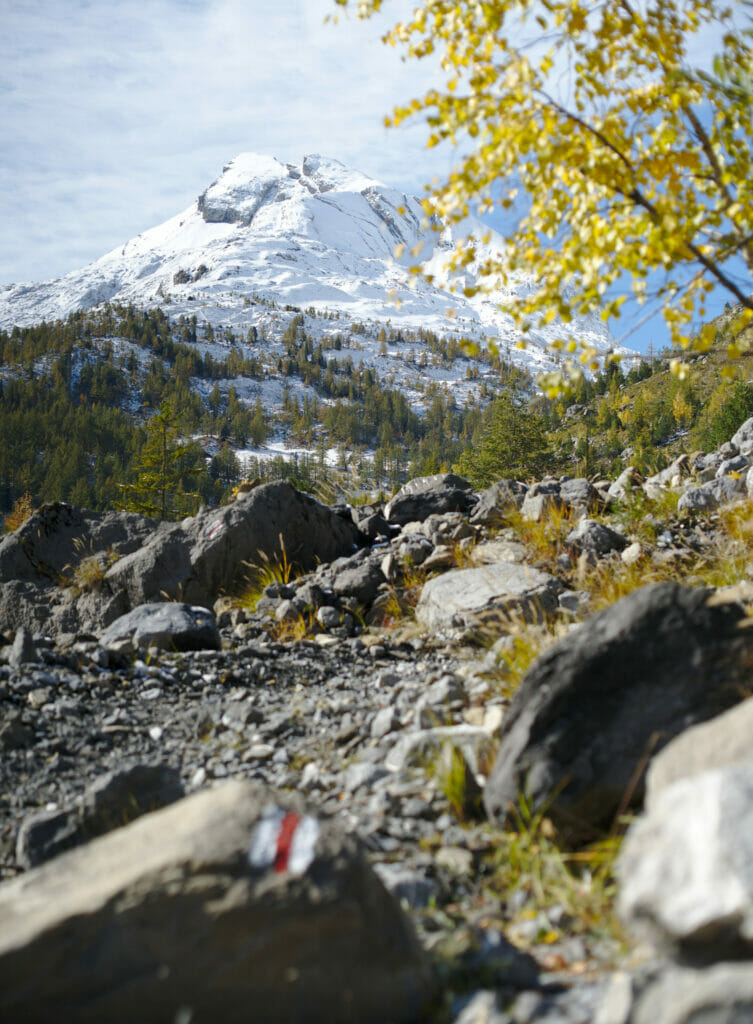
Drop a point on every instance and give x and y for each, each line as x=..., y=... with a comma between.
x=284, y=841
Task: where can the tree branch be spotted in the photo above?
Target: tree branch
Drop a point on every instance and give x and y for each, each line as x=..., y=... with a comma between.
x=639, y=199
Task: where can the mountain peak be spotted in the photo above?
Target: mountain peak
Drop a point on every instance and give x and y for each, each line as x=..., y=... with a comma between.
x=315, y=234
x=253, y=180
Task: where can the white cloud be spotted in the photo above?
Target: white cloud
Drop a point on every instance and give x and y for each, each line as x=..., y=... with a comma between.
x=116, y=114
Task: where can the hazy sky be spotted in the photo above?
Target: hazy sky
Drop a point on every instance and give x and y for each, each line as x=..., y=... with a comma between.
x=116, y=114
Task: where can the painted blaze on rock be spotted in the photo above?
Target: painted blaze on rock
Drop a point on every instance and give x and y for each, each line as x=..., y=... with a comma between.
x=233, y=904
x=284, y=841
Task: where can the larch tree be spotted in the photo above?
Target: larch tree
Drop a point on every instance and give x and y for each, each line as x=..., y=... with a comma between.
x=632, y=168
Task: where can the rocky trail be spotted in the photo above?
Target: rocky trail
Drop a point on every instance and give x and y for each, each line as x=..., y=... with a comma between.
x=366, y=798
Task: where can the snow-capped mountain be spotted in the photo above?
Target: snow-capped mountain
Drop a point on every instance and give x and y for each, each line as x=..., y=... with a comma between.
x=316, y=235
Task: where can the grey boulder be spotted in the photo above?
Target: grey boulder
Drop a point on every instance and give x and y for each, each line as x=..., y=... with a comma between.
x=214, y=552
x=724, y=740
x=466, y=598
x=742, y=439
x=360, y=582
x=541, y=500
x=22, y=650
x=627, y=481
x=595, y=707
x=47, y=551
x=158, y=571
x=232, y=904
x=716, y=492
x=591, y=535
x=57, y=537
x=169, y=626
x=274, y=521
x=721, y=994
x=496, y=501
x=428, y=495
x=737, y=464
x=579, y=494
x=143, y=561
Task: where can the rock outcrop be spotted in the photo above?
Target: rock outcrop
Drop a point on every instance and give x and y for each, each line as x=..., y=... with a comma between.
x=66, y=571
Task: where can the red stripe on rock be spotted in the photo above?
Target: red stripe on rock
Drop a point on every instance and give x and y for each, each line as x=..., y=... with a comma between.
x=285, y=840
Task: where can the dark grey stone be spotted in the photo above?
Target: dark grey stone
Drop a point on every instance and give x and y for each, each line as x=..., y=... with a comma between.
x=496, y=501
x=111, y=802
x=712, y=494
x=591, y=535
x=361, y=582
x=169, y=626
x=597, y=705
x=309, y=596
x=276, y=589
x=274, y=521
x=48, y=546
x=415, y=549
x=15, y=734
x=428, y=495
x=734, y=465
x=22, y=650
x=158, y=571
x=579, y=493
x=374, y=526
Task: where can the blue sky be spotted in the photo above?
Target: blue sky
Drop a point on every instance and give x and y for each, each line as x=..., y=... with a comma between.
x=116, y=114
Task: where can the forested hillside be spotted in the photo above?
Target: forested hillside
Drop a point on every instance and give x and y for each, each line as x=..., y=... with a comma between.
x=79, y=399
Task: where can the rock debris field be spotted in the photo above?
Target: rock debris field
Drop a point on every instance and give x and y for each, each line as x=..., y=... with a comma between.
x=344, y=801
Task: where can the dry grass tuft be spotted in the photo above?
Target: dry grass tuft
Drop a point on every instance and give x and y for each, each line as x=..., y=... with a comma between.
x=269, y=569
x=87, y=575
x=533, y=876
x=544, y=539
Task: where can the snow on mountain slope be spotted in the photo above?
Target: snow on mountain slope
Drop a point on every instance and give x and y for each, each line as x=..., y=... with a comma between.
x=316, y=235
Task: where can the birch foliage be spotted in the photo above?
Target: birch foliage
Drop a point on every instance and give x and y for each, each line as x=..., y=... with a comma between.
x=632, y=169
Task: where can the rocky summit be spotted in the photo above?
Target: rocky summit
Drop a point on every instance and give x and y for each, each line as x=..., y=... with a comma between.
x=313, y=234
x=375, y=763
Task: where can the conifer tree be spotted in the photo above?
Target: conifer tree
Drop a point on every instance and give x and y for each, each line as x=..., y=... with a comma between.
x=163, y=468
x=512, y=444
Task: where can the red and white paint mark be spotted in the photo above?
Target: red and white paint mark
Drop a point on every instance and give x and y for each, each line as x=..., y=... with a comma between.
x=284, y=841
x=214, y=528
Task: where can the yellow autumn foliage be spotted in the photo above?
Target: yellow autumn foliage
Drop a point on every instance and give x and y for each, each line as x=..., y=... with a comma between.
x=630, y=160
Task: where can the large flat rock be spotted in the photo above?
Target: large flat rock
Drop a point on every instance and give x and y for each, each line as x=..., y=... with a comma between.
x=724, y=740
x=686, y=867
x=169, y=626
x=464, y=598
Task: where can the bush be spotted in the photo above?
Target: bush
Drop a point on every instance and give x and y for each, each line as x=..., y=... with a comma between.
x=22, y=509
